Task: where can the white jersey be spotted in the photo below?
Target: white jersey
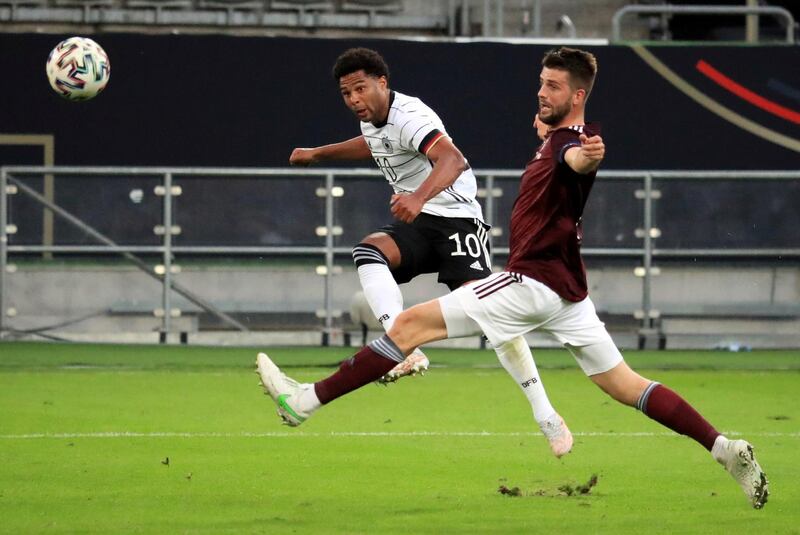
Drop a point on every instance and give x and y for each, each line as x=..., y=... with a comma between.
x=399, y=147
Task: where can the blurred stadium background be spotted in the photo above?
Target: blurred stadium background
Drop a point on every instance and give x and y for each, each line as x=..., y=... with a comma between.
x=163, y=209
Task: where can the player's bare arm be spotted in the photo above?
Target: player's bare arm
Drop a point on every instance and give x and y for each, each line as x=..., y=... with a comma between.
x=448, y=164
x=587, y=157
x=352, y=149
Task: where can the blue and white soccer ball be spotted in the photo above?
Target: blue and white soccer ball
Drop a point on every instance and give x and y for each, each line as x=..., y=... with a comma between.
x=78, y=68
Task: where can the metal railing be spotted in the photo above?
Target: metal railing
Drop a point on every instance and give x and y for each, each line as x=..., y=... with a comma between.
x=10, y=183
x=666, y=9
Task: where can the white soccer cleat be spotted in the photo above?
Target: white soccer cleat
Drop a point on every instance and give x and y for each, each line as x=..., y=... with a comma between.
x=282, y=389
x=415, y=363
x=738, y=459
x=558, y=435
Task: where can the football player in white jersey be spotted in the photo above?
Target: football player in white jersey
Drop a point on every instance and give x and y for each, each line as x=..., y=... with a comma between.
x=440, y=226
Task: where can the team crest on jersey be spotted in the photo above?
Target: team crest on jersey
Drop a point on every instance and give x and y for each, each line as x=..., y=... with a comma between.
x=387, y=145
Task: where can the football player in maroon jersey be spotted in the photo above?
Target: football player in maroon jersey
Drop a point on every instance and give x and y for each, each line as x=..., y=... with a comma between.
x=542, y=288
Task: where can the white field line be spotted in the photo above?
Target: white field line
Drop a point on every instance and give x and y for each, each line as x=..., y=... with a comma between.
x=367, y=434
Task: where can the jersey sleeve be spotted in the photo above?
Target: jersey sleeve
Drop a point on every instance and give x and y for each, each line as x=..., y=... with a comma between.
x=562, y=140
x=417, y=129
x=566, y=138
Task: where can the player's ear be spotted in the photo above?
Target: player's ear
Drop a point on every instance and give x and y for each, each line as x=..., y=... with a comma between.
x=579, y=97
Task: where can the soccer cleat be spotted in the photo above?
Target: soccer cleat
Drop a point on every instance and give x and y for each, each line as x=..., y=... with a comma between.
x=738, y=459
x=282, y=389
x=415, y=363
x=558, y=435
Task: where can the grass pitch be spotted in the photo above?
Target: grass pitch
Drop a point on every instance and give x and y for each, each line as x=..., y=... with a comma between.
x=132, y=439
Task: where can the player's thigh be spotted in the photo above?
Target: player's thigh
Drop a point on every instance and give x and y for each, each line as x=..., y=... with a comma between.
x=496, y=305
x=387, y=245
x=418, y=325
x=577, y=327
x=619, y=382
x=462, y=250
x=458, y=322
x=597, y=358
x=413, y=249
x=576, y=324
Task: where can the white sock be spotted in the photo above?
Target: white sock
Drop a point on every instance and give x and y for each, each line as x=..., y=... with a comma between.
x=718, y=450
x=307, y=400
x=517, y=359
x=382, y=293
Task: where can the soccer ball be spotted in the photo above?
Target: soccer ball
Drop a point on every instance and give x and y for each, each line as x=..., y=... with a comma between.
x=78, y=68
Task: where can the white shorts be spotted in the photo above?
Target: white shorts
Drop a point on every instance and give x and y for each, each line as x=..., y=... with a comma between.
x=506, y=305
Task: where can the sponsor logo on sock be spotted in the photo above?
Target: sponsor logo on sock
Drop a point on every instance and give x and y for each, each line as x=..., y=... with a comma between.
x=529, y=382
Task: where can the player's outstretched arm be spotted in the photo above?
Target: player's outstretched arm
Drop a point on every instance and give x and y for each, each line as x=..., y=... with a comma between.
x=587, y=157
x=352, y=149
x=448, y=164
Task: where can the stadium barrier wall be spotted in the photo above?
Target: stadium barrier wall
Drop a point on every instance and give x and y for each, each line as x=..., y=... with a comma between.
x=328, y=189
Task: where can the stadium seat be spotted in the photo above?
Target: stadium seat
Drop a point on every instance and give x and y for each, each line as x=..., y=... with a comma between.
x=87, y=6
x=373, y=6
x=159, y=5
x=302, y=6
x=230, y=6
x=14, y=4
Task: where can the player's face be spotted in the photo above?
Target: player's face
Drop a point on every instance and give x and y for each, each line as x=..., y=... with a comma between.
x=366, y=96
x=556, y=96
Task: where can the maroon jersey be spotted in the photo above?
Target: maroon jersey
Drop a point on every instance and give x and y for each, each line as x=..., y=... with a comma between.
x=546, y=219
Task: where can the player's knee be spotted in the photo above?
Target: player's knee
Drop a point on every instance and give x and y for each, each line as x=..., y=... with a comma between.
x=402, y=331
x=409, y=329
x=622, y=383
x=417, y=326
x=366, y=253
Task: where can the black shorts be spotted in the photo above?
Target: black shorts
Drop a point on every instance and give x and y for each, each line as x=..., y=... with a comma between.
x=457, y=248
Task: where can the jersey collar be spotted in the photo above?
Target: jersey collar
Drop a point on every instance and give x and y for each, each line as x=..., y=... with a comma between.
x=383, y=123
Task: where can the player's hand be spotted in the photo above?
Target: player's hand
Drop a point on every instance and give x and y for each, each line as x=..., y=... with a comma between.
x=303, y=156
x=542, y=130
x=406, y=208
x=592, y=148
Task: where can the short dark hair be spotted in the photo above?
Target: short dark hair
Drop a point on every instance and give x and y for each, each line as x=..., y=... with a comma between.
x=581, y=66
x=357, y=59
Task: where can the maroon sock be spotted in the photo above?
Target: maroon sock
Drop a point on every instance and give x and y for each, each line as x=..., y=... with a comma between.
x=363, y=368
x=669, y=409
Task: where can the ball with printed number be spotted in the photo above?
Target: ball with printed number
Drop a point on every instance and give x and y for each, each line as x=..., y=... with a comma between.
x=78, y=68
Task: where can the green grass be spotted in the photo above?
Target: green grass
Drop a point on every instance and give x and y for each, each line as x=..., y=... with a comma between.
x=85, y=431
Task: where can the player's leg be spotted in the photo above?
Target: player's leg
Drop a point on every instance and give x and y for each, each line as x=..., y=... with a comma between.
x=498, y=307
x=462, y=248
x=375, y=258
x=587, y=339
x=517, y=359
x=669, y=409
x=297, y=402
x=603, y=363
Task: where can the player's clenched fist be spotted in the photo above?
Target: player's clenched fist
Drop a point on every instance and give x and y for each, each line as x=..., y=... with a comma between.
x=592, y=148
x=406, y=208
x=302, y=156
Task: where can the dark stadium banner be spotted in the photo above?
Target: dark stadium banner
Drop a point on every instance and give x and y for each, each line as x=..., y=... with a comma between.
x=213, y=100
x=247, y=101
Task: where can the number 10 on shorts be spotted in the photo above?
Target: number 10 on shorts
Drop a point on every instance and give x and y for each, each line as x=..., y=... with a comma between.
x=472, y=243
